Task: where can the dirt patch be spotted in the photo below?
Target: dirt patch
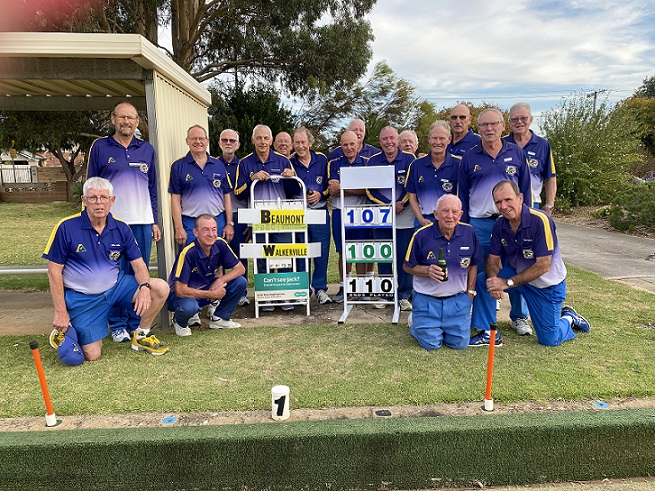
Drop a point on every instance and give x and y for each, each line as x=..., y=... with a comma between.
x=151, y=420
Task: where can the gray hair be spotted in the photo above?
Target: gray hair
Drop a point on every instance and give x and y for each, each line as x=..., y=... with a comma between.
x=196, y=126
x=440, y=123
x=410, y=132
x=260, y=127
x=302, y=129
x=444, y=197
x=494, y=110
x=99, y=183
x=520, y=105
x=229, y=129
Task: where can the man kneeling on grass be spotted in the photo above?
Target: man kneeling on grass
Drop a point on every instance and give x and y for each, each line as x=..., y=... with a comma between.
x=526, y=238
x=83, y=254
x=441, y=307
x=193, y=282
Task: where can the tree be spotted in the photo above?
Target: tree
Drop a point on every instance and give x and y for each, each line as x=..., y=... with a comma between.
x=241, y=110
x=383, y=99
x=58, y=132
x=647, y=90
x=303, y=45
x=593, y=150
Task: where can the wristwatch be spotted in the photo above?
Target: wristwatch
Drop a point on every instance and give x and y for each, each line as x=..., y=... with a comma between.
x=230, y=223
x=510, y=283
x=549, y=207
x=472, y=292
x=146, y=284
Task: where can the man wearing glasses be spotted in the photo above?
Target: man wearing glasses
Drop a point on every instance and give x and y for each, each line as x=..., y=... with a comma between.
x=483, y=167
x=463, y=138
x=229, y=144
x=129, y=164
x=84, y=254
x=199, y=185
x=540, y=157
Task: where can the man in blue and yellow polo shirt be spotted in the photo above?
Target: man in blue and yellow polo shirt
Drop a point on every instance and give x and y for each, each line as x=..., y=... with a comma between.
x=83, y=253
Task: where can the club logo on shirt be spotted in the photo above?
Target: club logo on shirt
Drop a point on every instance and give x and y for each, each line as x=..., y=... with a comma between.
x=142, y=166
x=401, y=180
x=447, y=186
x=476, y=168
x=111, y=159
x=319, y=179
x=533, y=163
x=188, y=178
x=420, y=179
x=217, y=183
x=114, y=255
x=431, y=255
x=510, y=170
x=528, y=254
x=465, y=262
x=195, y=269
x=503, y=242
x=80, y=248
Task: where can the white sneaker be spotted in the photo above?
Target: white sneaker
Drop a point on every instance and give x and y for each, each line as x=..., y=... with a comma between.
x=379, y=305
x=121, y=336
x=267, y=308
x=322, y=297
x=181, y=331
x=287, y=307
x=243, y=301
x=405, y=304
x=194, y=321
x=218, y=323
x=212, y=308
x=522, y=327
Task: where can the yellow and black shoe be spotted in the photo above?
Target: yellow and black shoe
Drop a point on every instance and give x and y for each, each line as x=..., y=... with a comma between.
x=148, y=343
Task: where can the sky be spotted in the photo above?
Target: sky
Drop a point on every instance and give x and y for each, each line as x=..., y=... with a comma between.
x=516, y=50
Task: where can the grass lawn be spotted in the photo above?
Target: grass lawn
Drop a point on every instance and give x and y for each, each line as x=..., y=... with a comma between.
x=325, y=365
x=349, y=365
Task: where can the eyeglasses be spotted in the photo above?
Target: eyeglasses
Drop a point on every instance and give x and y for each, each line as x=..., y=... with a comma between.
x=485, y=125
x=522, y=119
x=126, y=118
x=455, y=117
x=228, y=140
x=97, y=199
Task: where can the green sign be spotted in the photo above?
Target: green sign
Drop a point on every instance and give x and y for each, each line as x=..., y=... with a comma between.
x=281, y=286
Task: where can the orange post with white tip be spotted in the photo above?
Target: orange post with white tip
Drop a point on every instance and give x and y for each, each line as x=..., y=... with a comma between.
x=50, y=417
x=488, y=400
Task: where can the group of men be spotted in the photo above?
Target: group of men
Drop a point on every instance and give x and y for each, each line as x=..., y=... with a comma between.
x=447, y=204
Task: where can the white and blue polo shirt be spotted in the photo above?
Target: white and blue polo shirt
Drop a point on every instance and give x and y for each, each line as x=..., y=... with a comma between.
x=314, y=176
x=461, y=251
x=401, y=165
x=429, y=183
x=91, y=261
x=264, y=190
x=470, y=140
x=540, y=162
x=197, y=270
x=201, y=190
x=334, y=173
x=132, y=172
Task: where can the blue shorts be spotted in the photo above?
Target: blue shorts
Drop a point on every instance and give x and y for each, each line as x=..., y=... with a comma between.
x=90, y=313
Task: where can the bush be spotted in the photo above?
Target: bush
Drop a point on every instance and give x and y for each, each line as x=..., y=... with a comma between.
x=594, y=149
x=634, y=207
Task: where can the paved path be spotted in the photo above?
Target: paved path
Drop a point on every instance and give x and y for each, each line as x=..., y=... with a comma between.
x=612, y=255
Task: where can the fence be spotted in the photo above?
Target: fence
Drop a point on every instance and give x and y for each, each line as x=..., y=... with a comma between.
x=10, y=174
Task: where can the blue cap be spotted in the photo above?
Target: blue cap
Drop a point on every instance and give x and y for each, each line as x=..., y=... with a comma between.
x=69, y=350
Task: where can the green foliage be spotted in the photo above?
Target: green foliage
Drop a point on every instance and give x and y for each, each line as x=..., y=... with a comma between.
x=647, y=90
x=383, y=99
x=634, y=207
x=241, y=110
x=641, y=109
x=59, y=132
x=593, y=149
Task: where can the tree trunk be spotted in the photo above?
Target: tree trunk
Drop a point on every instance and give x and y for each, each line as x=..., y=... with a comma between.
x=183, y=30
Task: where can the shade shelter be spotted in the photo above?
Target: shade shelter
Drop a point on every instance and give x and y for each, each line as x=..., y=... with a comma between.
x=89, y=72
